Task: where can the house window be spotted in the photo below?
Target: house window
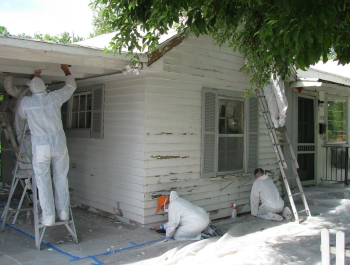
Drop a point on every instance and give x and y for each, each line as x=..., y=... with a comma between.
x=336, y=118
x=229, y=133
x=81, y=110
x=82, y=114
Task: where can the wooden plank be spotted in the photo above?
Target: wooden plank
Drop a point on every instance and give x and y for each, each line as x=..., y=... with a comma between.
x=228, y=57
x=84, y=154
x=171, y=115
x=59, y=58
x=325, y=246
x=202, y=80
x=171, y=170
x=125, y=106
x=123, y=130
x=81, y=163
x=176, y=57
x=137, y=123
x=165, y=162
x=124, y=99
x=171, y=138
x=112, y=181
x=172, y=130
x=172, y=92
x=107, y=146
x=156, y=123
x=154, y=99
x=340, y=244
x=133, y=139
x=101, y=173
x=125, y=91
x=170, y=146
x=175, y=84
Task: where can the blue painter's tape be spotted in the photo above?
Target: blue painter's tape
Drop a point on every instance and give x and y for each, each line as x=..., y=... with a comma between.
x=74, y=258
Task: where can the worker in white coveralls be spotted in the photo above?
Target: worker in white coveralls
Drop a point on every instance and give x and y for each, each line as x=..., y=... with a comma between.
x=186, y=221
x=265, y=192
x=43, y=111
x=18, y=93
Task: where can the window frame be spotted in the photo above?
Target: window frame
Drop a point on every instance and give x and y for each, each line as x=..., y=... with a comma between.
x=337, y=98
x=86, y=132
x=209, y=163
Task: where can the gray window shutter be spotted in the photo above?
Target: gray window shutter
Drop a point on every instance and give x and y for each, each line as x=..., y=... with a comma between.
x=97, y=112
x=208, y=165
x=253, y=133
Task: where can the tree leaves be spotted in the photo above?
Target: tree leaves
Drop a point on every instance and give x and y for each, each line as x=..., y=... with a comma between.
x=272, y=34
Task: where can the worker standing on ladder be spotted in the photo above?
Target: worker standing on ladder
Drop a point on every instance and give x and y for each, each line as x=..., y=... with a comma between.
x=43, y=111
x=265, y=191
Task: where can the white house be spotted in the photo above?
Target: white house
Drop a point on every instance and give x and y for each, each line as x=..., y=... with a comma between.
x=180, y=125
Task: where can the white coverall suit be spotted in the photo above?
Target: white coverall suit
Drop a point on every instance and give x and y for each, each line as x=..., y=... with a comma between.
x=18, y=123
x=43, y=111
x=186, y=221
x=264, y=190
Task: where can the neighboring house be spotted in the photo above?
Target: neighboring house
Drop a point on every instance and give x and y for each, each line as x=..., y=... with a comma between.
x=319, y=127
x=180, y=125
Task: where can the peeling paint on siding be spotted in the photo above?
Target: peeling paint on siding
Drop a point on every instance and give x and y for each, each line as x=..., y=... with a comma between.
x=165, y=157
x=117, y=210
x=162, y=133
x=156, y=55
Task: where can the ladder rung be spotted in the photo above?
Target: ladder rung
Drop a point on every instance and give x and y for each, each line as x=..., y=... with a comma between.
x=295, y=194
x=303, y=211
x=20, y=210
x=284, y=143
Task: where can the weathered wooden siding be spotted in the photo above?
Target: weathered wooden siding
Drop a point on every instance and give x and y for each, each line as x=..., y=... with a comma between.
x=108, y=174
x=173, y=129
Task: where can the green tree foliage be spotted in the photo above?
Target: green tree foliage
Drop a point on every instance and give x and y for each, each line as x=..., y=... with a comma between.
x=273, y=34
x=3, y=30
x=100, y=22
x=64, y=37
x=336, y=111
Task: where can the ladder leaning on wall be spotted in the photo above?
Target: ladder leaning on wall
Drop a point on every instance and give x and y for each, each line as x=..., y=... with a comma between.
x=39, y=229
x=280, y=157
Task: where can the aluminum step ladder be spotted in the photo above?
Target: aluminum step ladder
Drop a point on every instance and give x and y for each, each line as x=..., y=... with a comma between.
x=39, y=229
x=277, y=145
x=22, y=163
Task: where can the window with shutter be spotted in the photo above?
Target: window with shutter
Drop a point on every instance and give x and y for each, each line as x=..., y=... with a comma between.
x=82, y=114
x=229, y=133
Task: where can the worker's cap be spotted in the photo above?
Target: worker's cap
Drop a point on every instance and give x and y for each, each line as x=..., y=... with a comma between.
x=37, y=85
x=258, y=170
x=161, y=201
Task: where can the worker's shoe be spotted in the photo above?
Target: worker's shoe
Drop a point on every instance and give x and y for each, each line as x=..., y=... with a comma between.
x=47, y=221
x=274, y=217
x=287, y=213
x=63, y=215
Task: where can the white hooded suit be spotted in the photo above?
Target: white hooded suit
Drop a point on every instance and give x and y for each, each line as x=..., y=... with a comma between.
x=264, y=190
x=43, y=111
x=186, y=221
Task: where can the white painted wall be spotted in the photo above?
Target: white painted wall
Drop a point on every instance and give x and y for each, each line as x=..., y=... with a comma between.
x=173, y=129
x=109, y=173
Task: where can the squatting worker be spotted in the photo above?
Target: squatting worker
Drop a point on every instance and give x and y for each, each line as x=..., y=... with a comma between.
x=186, y=221
x=43, y=111
x=265, y=191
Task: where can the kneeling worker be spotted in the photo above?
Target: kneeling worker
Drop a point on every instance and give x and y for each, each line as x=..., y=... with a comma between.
x=265, y=191
x=186, y=220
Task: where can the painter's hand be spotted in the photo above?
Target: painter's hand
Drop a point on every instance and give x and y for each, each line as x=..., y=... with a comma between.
x=37, y=73
x=251, y=216
x=157, y=228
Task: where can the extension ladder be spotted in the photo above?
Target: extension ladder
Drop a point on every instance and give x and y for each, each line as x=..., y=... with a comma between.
x=39, y=229
x=280, y=157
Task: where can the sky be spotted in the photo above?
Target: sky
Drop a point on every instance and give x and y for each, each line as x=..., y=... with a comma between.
x=47, y=16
